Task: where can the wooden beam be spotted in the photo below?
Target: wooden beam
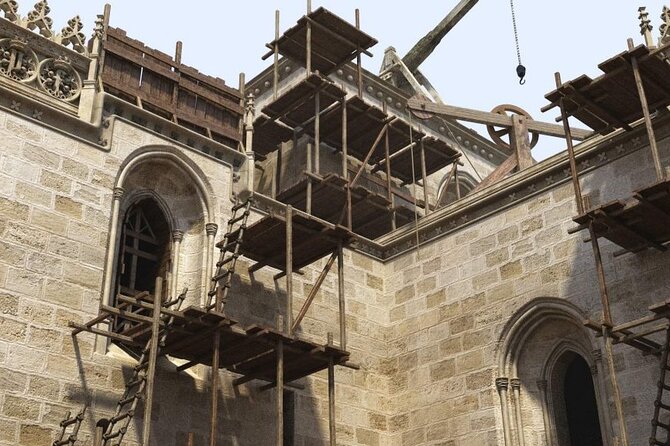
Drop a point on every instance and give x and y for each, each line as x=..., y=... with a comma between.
x=153, y=357
x=487, y=118
x=312, y=293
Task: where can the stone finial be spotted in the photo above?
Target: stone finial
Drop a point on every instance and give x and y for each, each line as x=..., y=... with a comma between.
x=39, y=18
x=10, y=8
x=645, y=26
x=665, y=26
x=250, y=105
x=72, y=35
x=99, y=28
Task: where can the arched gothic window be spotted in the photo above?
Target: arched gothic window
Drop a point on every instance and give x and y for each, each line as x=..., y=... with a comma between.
x=144, y=251
x=576, y=408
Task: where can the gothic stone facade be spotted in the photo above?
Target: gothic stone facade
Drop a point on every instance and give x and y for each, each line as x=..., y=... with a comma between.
x=478, y=321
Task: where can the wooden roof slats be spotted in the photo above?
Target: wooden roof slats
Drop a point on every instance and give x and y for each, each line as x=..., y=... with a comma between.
x=611, y=101
x=296, y=106
x=135, y=72
x=334, y=41
x=639, y=223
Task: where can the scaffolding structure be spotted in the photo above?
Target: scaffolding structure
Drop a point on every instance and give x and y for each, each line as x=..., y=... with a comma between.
x=634, y=84
x=318, y=217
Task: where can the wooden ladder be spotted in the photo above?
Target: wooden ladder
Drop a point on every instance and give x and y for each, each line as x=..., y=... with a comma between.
x=75, y=422
x=662, y=408
x=229, y=252
x=136, y=385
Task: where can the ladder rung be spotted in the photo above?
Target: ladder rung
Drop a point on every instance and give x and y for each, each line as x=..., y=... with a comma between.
x=130, y=399
x=113, y=435
x=661, y=425
x=234, y=220
x=228, y=260
x=227, y=246
x=123, y=416
x=135, y=382
x=240, y=205
x=220, y=276
x=661, y=405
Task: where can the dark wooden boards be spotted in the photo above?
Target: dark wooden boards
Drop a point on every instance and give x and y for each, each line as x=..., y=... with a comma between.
x=611, y=101
x=156, y=82
x=249, y=351
x=334, y=41
x=636, y=224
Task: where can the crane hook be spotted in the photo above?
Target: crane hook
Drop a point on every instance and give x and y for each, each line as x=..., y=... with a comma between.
x=521, y=72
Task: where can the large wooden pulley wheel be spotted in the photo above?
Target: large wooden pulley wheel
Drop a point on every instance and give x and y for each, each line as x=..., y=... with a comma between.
x=497, y=134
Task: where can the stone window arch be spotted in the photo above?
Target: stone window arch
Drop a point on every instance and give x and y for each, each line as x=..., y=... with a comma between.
x=448, y=193
x=536, y=349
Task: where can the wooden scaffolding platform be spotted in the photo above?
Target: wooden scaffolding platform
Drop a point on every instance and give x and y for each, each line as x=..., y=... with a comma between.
x=636, y=224
x=322, y=41
x=634, y=84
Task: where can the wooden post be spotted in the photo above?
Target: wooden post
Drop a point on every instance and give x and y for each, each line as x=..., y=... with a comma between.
x=600, y=272
x=571, y=151
x=317, y=131
x=153, y=356
x=331, y=395
x=424, y=178
x=308, y=49
x=177, y=52
x=345, y=159
x=340, y=294
x=520, y=142
x=213, y=427
x=387, y=155
x=280, y=393
x=289, y=269
x=660, y=175
x=275, y=70
x=457, y=181
x=359, y=68
x=308, y=204
x=190, y=441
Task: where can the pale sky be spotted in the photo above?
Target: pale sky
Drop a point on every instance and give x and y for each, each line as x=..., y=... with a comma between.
x=473, y=67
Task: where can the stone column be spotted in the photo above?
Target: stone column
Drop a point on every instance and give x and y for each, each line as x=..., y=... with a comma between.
x=502, y=385
x=516, y=391
x=542, y=386
x=177, y=237
x=107, y=284
x=601, y=397
x=111, y=247
x=211, y=229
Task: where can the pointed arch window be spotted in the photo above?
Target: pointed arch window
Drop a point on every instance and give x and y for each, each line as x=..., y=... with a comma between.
x=144, y=251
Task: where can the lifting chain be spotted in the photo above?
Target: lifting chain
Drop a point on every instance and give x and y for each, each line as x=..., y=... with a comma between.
x=520, y=69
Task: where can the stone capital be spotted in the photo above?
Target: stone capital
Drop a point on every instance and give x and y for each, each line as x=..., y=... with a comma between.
x=177, y=235
x=515, y=383
x=502, y=383
x=118, y=193
x=211, y=228
x=542, y=384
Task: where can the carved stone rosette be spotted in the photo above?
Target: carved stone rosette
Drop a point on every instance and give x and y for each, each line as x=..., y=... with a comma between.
x=59, y=79
x=17, y=61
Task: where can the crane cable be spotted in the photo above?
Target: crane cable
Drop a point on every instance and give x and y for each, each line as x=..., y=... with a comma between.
x=520, y=69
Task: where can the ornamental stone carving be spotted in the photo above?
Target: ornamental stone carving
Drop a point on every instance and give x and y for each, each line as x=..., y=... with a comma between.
x=59, y=79
x=17, y=61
